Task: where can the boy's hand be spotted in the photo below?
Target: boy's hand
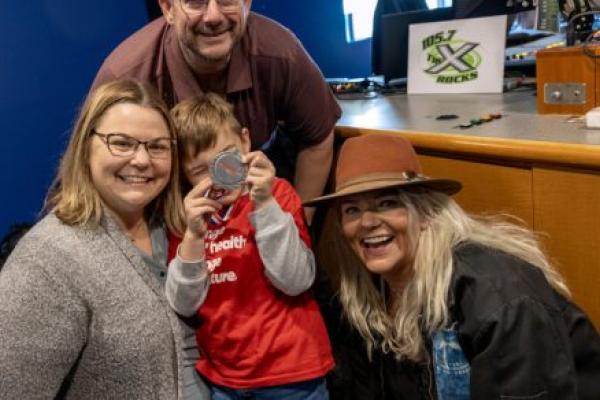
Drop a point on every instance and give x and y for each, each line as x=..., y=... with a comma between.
x=261, y=174
x=197, y=207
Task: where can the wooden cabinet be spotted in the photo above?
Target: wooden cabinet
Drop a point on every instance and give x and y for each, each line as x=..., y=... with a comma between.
x=567, y=209
x=563, y=72
x=487, y=188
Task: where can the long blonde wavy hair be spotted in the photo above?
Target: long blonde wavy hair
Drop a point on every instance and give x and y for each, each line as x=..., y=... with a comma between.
x=421, y=308
x=73, y=196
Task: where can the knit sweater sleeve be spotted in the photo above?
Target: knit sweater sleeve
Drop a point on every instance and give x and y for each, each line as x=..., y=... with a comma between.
x=289, y=263
x=43, y=329
x=187, y=285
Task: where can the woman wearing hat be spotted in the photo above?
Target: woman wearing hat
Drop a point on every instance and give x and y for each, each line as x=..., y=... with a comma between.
x=465, y=307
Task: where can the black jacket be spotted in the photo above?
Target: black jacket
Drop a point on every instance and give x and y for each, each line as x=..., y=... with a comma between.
x=522, y=339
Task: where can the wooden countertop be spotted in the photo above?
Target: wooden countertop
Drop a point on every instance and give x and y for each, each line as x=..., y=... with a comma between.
x=521, y=134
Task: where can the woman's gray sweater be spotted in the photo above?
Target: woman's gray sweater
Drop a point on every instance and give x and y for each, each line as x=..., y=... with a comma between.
x=83, y=317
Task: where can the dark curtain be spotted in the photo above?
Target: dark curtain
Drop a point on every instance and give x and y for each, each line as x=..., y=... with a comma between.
x=388, y=7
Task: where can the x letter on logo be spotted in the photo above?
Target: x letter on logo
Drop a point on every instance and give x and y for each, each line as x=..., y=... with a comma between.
x=453, y=58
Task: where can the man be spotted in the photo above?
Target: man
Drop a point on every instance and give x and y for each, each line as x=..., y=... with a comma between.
x=261, y=68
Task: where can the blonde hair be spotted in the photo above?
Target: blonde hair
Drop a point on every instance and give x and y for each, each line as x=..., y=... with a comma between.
x=73, y=196
x=199, y=121
x=421, y=308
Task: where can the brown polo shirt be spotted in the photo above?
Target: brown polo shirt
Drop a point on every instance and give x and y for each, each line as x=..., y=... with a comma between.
x=270, y=78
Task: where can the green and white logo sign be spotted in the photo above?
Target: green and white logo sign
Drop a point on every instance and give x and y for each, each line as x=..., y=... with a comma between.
x=449, y=59
x=456, y=56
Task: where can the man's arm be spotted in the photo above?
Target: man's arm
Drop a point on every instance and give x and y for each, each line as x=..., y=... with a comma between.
x=313, y=165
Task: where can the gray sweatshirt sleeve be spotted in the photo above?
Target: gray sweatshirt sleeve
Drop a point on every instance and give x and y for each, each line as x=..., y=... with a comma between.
x=187, y=285
x=289, y=264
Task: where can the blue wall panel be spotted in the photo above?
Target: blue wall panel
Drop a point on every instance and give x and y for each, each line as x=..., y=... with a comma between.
x=320, y=26
x=51, y=51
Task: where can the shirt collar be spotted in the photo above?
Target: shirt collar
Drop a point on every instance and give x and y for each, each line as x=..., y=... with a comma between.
x=183, y=80
x=239, y=76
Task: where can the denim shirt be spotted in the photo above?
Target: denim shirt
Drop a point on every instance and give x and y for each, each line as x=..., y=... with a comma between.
x=451, y=367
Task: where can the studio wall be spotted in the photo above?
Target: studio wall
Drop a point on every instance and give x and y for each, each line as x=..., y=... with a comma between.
x=320, y=26
x=51, y=51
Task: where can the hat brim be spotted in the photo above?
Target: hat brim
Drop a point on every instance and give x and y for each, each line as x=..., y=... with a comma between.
x=447, y=186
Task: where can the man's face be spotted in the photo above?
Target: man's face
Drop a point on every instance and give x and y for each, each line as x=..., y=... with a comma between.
x=207, y=30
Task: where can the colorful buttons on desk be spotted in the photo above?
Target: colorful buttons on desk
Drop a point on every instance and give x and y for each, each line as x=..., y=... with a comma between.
x=479, y=121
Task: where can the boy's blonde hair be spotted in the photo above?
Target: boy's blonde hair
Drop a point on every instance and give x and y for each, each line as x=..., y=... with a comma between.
x=73, y=197
x=198, y=122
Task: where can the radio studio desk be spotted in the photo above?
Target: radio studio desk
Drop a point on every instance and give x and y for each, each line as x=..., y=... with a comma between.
x=540, y=168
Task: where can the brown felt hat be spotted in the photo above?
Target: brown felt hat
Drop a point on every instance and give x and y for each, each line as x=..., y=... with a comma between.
x=371, y=162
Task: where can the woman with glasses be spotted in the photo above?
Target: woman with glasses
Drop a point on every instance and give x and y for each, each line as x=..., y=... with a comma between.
x=450, y=306
x=82, y=309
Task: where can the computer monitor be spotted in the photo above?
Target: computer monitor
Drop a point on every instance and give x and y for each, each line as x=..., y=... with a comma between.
x=393, y=56
x=385, y=7
x=394, y=38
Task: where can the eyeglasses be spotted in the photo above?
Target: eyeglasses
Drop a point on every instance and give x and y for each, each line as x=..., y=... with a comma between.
x=197, y=7
x=122, y=145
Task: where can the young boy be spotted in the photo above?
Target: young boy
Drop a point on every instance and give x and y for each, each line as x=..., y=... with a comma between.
x=244, y=267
